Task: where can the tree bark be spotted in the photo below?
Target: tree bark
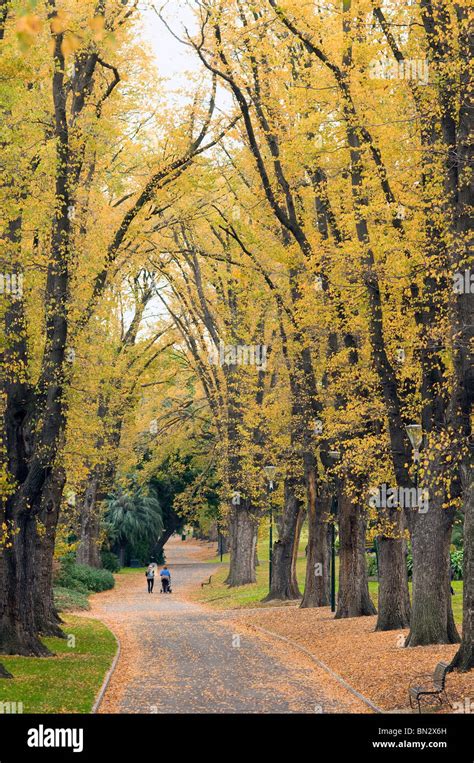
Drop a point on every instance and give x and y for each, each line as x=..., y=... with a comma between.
x=284, y=585
x=296, y=544
x=18, y=632
x=432, y=619
x=317, y=591
x=243, y=541
x=354, y=599
x=463, y=339
x=88, y=550
x=46, y=616
x=464, y=657
x=394, y=597
x=158, y=550
x=213, y=532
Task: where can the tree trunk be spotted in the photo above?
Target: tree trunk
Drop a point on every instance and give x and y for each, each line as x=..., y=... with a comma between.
x=394, y=597
x=296, y=544
x=243, y=541
x=284, y=585
x=464, y=657
x=46, y=617
x=213, y=532
x=122, y=551
x=4, y=672
x=256, y=560
x=18, y=633
x=317, y=591
x=354, y=599
x=88, y=550
x=432, y=620
x=158, y=549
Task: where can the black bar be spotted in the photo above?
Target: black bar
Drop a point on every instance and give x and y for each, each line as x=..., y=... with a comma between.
x=134, y=737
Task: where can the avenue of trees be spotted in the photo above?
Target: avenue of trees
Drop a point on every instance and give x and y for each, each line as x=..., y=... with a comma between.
x=271, y=269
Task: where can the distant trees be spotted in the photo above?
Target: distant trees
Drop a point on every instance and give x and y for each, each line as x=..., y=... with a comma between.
x=133, y=519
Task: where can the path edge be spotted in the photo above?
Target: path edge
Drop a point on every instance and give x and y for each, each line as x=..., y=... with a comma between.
x=321, y=664
x=105, y=683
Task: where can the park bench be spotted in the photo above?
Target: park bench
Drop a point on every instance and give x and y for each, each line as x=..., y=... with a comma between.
x=206, y=582
x=437, y=689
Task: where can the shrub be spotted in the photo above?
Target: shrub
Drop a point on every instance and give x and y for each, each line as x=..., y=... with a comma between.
x=457, y=564
x=92, y=578
x=371, y=565
x=82, y=578
x=66, y=599
x=110, y=561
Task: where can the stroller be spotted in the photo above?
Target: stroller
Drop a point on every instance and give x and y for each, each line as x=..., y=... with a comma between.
x=166, y=585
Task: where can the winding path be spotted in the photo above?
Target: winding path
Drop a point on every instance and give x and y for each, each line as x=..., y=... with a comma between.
x=179, y=657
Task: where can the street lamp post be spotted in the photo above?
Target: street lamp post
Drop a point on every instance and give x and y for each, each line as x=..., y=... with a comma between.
x=220, y=544
x=270, y=472
x=334, y=456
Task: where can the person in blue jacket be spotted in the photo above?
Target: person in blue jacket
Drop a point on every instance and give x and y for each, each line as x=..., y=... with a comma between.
x=165, y=580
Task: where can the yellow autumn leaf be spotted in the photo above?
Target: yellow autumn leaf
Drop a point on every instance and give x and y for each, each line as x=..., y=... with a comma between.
x=97, y=24
x=59, y=23
x=70, y=44
x=30, y=24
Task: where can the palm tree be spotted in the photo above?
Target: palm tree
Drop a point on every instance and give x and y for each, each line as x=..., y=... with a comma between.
x=133, y=517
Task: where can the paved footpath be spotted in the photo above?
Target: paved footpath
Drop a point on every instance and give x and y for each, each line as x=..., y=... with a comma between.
x=180, y=657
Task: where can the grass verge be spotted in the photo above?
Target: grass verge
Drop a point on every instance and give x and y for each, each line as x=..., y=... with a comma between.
x=131, y=570
x=219, y=596
x=69, y=681
x=67, y=599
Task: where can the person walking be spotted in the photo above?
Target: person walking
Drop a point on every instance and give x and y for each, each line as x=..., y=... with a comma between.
x=150, y=577
x=165, y=580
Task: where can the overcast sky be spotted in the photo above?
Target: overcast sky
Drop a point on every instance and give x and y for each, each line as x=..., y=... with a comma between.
x=173, y=59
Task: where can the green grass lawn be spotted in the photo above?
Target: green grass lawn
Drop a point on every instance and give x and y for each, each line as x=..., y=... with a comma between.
x=67, y=599
x=220, y=596
x=131, y=570
x=67, y=682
